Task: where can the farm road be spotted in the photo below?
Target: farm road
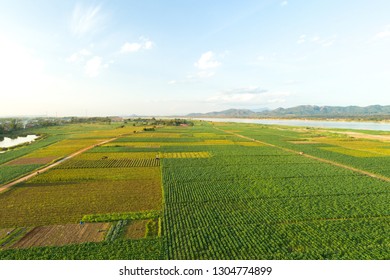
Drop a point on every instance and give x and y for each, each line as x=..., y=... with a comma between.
x=376, y=176
x=36, y=172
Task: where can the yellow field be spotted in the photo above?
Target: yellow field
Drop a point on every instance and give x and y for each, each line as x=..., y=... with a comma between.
x=186, y=155
x=158, y=144
x=349, y=152
x=219, y=142
x=4, y=232
x=205, y=135
x=250, y=144
x=157, y=135
x=97, y=156
x=63, y=148
x=97, y=174
x=357, y=148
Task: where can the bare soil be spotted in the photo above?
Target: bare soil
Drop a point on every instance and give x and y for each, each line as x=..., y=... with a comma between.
x=59, y=235
x=21, y=161
x=136, y=230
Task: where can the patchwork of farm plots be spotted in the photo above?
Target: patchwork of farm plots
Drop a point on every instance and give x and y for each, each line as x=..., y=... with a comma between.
x=268, y=203
x=201, y=193
x=53, y=208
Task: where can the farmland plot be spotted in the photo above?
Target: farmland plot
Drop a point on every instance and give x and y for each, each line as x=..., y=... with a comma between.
x=96, y=174
x=60, y=235
x=225, y=197
x=263, y=202
x=45, y=204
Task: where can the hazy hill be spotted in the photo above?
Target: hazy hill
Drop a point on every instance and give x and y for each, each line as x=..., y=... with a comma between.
x=306, y=111
x=227, y=113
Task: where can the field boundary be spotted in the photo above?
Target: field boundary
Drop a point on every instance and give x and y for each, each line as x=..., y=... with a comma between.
x=373, y=175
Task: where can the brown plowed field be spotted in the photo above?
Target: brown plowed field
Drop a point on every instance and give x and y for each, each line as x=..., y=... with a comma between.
x=60, y=235
x=20, y=161
x=136, y=230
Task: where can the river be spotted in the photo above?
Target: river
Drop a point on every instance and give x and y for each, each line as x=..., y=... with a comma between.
x=379, y=126
x=11, y=142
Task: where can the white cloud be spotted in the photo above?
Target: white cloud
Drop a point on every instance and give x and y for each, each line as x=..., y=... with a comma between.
x=131, y=47
x=324, y=42
x=143, y=44
x=260, y=58
x=207, y=61
x=21, y=72
x=276, y=100
x=148, y=45
x=79, y=56
x=291, y=82
x=85, y=52
x=205, y=74
x=284, y=3
x=246, y=90
x=301, y=39
x=384, y=33
x=248, y=96
x=86, y=19
x=172, y=82
x=93, y=66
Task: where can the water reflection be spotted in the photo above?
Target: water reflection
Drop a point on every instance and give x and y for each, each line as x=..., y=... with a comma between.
x=7, y=142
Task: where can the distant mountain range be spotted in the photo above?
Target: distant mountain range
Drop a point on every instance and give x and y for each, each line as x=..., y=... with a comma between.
x=308, y=111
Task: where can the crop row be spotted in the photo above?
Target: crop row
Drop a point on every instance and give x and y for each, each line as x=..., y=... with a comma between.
x=238, y=161
x=368, y=155
x=277, y=210
x=235, y=172
x=110, y=163
x=154, y=139
x=185, y=155
x=120, y=149
x=144, y=249
x=10, y=172
x=33, y=205
x=328, y=187
x=308, y=240
x=75, y=175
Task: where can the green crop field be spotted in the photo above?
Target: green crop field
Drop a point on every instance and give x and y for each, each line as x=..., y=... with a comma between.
x=208, y=191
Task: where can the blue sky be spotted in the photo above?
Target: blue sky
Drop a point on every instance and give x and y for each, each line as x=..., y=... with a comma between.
x=146, y=57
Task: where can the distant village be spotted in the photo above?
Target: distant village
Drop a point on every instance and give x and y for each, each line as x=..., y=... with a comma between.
x=12, y=125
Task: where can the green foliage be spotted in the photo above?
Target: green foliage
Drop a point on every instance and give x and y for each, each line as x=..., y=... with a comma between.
x=10, y=172
x=117, y=230
x=243, y=202
x=269, y=203
x=12, y=237
x=152, y=228
x=145, y=249
x=110, y=163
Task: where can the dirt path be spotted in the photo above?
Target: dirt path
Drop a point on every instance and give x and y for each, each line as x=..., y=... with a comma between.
x=376, y=176
x=44, y=169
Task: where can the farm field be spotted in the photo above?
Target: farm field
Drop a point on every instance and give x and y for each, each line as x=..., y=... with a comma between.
x=208, y=191
x=60, y=235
